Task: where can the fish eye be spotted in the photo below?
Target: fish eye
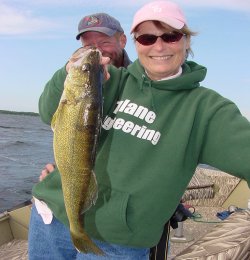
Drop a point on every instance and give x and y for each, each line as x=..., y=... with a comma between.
x=86, y=67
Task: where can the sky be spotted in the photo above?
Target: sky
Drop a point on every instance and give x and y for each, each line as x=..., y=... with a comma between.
x=38, y=36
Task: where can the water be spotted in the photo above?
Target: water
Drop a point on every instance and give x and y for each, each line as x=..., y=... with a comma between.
x=25, y=148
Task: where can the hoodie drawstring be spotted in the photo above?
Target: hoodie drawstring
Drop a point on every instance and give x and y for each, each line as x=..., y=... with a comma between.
x=149, y=83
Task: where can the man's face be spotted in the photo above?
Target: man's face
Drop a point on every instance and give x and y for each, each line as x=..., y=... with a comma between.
x=110, y=46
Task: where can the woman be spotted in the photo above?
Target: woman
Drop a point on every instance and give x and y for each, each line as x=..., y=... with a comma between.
x=158, y=125
x=161, y=48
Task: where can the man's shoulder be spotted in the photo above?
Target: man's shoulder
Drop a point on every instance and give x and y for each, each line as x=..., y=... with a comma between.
x=126, y=59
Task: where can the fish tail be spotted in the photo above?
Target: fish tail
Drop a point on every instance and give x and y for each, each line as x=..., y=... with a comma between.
x=84, y=244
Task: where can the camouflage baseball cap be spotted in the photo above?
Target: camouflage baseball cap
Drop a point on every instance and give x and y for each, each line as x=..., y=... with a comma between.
x=99, y=22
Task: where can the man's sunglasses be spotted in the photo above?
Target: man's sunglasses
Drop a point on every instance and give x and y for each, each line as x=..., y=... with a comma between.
x=149, y=39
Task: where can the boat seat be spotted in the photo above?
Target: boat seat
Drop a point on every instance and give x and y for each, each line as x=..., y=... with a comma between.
x=199, y=187
x=209, y=188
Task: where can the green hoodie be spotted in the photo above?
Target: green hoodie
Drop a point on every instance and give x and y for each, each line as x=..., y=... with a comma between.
x=154, y=135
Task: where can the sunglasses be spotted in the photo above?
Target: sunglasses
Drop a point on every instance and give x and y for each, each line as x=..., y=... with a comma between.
x=149, y=39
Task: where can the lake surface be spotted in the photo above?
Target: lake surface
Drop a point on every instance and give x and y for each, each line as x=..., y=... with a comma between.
x=25, y=148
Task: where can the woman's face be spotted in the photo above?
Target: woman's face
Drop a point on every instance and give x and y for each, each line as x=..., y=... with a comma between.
x=161, y=59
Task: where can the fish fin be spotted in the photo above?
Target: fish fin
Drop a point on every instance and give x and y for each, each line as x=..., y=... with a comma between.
x=58, y=111
x=53, y=121
x=92, y=194
x=84, y=244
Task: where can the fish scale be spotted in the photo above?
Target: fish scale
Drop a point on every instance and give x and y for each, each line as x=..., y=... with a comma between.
x=76, y=125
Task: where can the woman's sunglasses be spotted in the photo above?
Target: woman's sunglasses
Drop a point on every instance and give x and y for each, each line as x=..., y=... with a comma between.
x=149, y=39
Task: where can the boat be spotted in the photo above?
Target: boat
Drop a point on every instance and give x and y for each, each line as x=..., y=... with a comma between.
x=234, y=232
x=212, y=194
x=14, y=226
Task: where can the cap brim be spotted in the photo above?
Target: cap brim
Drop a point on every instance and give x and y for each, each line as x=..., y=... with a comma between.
x=104, y=30
x=176, y=24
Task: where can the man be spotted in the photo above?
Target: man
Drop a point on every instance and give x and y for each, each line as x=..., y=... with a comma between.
x=104, y=32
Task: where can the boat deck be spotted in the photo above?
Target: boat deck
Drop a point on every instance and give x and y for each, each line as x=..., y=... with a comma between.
x=17, y=249
x=194, y=230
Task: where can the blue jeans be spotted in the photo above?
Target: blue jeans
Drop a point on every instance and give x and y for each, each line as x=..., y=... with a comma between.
x=53, y=242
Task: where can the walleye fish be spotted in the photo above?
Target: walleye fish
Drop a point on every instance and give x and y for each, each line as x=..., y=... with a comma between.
x=76, y=125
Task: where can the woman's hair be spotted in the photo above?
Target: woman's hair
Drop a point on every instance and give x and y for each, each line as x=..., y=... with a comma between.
x=188, y=33
x=184, y=30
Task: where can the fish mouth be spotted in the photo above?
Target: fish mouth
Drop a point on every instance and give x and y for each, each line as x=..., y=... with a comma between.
x=85, y=54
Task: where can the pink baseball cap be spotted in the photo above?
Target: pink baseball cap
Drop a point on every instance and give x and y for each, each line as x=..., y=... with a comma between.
x=162, y=11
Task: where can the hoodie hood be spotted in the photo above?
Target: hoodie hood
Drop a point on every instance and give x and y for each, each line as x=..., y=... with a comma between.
x=192, y=75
